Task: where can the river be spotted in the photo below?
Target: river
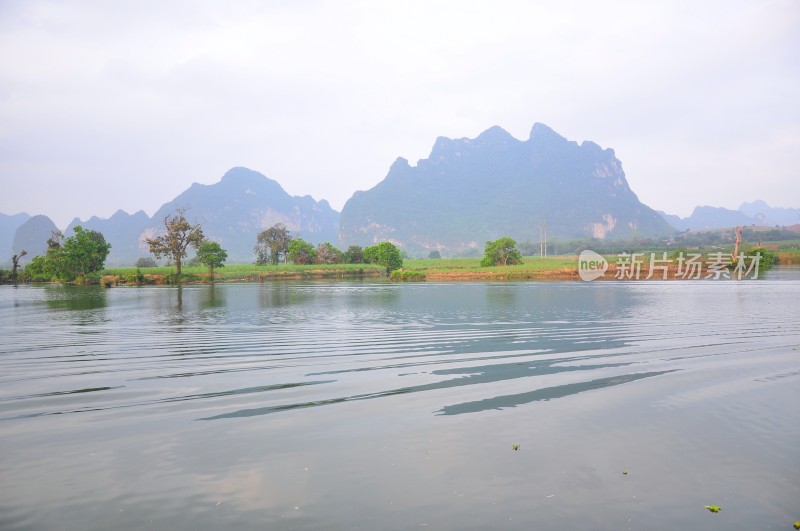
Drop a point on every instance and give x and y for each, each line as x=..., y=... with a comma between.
x=350, y=405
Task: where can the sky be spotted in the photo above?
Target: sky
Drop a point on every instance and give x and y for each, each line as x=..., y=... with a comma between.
x=123, y=105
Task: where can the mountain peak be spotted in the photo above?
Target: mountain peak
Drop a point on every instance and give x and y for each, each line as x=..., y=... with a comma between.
x=495, y=134
x=241, y=174
x=540, y=131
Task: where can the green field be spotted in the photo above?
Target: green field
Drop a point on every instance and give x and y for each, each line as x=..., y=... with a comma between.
x=530, y=263
x=249, y=272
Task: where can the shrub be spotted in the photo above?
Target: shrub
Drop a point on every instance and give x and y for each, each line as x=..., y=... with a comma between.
x=407, y=275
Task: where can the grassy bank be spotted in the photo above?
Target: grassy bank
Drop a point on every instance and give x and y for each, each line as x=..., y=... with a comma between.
x=241, y=272
x=414, y=270
x=532, y=268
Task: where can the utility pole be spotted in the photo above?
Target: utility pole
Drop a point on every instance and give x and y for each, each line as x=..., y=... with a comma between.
x=543, y=239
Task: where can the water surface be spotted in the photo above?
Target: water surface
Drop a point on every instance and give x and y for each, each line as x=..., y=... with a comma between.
x=395, y=406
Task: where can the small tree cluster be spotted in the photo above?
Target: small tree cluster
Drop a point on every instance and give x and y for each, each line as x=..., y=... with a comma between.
x=67, y=259
x=145, y=263
x=385, y=254
x=501, y=252
x=276, y=243
x=301, y=252
x=272, y=244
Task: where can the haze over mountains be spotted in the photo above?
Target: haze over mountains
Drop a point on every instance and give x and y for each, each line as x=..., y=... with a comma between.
x=466, y=192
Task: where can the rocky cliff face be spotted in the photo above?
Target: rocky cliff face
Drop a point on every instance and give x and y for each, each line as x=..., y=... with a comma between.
x=469, y=191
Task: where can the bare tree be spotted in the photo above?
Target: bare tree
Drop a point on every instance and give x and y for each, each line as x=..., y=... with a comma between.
x=179, y=236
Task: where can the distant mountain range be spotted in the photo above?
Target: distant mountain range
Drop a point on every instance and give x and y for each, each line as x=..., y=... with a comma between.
x=469, y=191
x=231, y=212
x=466, y=192
x=755, y=213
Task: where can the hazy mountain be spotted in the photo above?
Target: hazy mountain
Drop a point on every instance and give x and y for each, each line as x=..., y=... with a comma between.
x=231, y=212
x=245, y=202
x=9, y=226
x=122, y=231
x=32, y=236
x=767, y=215
x=469, y=191
x=708, y=217
x=756, y=213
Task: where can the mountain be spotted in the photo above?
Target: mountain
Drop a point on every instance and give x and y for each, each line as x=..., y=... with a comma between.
x=708, y=217
x=767, y=215
x=8, y=226
x=231, y=212
x=245, y=202
x=469, y=191
x=755, y=213
x=32, y=236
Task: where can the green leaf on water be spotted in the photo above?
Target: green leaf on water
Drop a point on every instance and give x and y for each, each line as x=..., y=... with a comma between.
x=797, y=524
x=515, y=447
x=624, y=472
x=713, y=508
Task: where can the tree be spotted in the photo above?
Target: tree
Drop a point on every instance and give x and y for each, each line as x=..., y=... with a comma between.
x=179, y=236
x=85, y=252
x=211, y=255
x=15, y=264
x=385, y=254
x=301, y=252
x=272, y=244
x=146, y=262
x=434, y=255
x=328, y=254
x=353, y=255
x=501, y=252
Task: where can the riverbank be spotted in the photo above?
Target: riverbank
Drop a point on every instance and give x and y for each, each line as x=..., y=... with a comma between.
x=239, y=273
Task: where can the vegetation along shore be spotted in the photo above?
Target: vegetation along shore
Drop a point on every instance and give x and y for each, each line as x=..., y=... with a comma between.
x=80, y=258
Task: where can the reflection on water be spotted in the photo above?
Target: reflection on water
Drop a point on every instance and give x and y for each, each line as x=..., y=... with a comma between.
x=393, y=406
x=75, y=298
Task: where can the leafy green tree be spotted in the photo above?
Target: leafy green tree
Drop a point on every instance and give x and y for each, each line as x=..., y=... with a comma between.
x=328, y=254
x=211, y=255
x=271, y=244
x=353, y=255
x=434, y=255
x=501, y=252
x=385, y=254
x=79, y=255
x=301, y=252
x=85, y=252
x=180, y=234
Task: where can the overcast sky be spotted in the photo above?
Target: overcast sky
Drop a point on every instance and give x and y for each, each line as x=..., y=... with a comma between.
x=108, y=105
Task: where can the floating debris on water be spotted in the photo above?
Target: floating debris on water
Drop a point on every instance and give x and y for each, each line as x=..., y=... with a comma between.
x=515, y=447
x=713, y=508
